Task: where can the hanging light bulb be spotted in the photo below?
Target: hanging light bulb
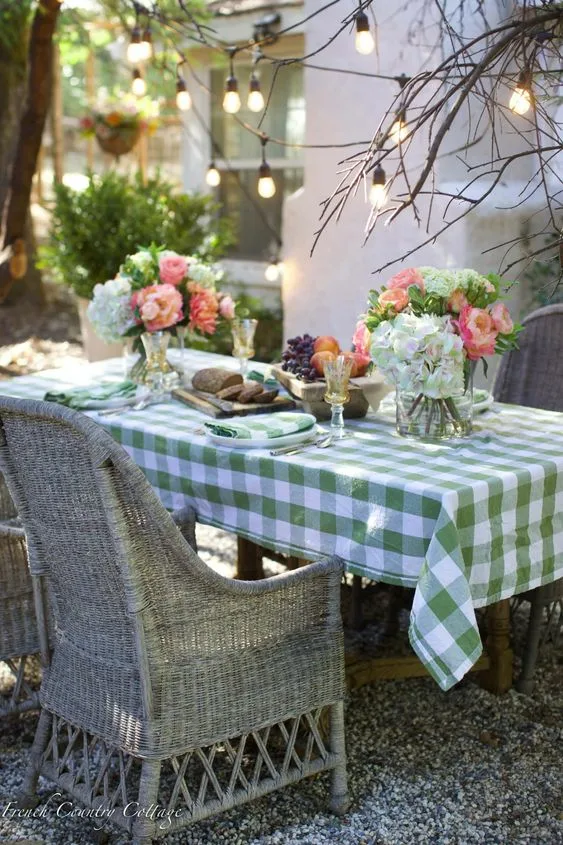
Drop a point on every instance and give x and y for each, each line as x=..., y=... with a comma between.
x=183, y=98
x=274, y=270
x=138, y=86
x=399, y=129
x=213, y=177
x=146, y=44
x=378, y=190
x=266, y=184
x=134, y=50
x=231, y=100
x=522, y=98
x=365, y=42
x=255, y=97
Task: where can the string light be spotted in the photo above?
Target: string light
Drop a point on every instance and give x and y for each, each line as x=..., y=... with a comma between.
x=138, y=86
x=274, y=270
x=365, y=42
x=183, y=98
x=521, y=99
x=231, y=100
x=378, y=190
x=266, y=184
x=213, y=177
x=146, y=44
x=399, y=129
x=134, y=50
x=255, y=97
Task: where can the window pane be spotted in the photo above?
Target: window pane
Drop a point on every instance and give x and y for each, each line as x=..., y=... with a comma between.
x=285, y=118
x=251, y=214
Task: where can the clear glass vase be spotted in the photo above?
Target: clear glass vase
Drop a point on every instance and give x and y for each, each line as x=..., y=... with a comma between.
x=153, y=369
x=423, y=418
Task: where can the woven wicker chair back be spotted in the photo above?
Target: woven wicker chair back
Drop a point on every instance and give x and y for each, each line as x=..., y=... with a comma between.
x=533, y=374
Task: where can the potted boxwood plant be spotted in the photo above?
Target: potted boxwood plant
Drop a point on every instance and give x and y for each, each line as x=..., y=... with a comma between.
x=92, y=231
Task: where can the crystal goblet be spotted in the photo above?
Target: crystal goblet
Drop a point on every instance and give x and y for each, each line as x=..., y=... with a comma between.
x=243, y=331
x=337, y=394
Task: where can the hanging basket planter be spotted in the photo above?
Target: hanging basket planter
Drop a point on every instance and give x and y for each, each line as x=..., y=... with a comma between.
x=119, y=140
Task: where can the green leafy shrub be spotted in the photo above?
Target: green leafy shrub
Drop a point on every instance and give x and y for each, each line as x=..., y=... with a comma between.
x=93, y=230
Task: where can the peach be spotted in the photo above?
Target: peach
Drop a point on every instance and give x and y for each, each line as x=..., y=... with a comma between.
x=351, y=356
x=319, y=358
x=362, y=361
x=326, y=343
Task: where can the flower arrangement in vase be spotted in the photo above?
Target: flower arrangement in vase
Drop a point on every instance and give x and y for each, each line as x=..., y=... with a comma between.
x=427, y=329
x=157, y=293
x=118, y=121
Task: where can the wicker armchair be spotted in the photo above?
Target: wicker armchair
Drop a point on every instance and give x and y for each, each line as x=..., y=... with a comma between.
x=169, y=684
x=19, y=635
x=533, y=375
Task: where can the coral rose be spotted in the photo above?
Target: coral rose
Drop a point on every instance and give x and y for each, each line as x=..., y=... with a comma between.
x=172, y=268
x=397, y=298
x=405, y=278
x=227, y=307
x=160, y=306
x=457, y=301
x=501, y=318
x=203, y=310
x=361, y=338
x=477, y=330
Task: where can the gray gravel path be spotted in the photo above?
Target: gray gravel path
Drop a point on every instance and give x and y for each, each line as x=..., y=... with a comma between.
x=426, y=768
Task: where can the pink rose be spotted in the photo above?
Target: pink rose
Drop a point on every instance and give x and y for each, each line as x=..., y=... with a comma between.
x=172, y=268
x=501, y=318
x=227, y=307
x=397, y=298
x=457, y=301
x=160, y=306
x=405, y=278
x=204, y=309
x=361, y=338
x=477, y=330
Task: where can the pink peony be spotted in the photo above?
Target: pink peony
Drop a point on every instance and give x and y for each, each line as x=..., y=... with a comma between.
x=501, y=318
x=477, y=330
x=405, y=278
x=160, y=306
x=227, y=307
x=457, y=301
x=361, y=338
x=398, y=298
x=203, y=309
x=172, y=268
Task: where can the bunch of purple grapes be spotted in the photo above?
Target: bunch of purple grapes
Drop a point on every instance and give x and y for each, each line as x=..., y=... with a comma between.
x=297, y=357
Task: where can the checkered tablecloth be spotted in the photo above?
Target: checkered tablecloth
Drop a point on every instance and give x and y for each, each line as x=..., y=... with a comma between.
x=466, y=523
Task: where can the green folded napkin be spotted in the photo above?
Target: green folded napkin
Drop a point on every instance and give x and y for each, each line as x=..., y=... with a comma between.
x=263, y=426
x=82, y=398
x=267, y=379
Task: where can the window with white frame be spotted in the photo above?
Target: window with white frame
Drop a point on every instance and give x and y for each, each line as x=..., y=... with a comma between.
x=238, y=156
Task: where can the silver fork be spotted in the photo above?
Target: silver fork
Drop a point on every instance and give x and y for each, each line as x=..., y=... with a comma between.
x=138, y=406
x=321, y=443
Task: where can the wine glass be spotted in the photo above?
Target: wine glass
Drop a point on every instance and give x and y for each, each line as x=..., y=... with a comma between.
x=337, y=394
x=243, y=330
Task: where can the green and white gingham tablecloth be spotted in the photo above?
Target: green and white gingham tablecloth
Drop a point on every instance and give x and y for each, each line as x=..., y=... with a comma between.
x=466, y=523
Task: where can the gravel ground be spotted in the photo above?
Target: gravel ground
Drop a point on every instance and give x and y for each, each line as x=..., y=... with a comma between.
x=462, y=768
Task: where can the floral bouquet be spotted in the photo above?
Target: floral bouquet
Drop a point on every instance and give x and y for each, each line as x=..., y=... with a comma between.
x=118, y=121
x=158, y=292
x=426, y=327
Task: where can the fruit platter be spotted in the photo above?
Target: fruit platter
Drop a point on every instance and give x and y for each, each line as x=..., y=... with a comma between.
x=301, y=372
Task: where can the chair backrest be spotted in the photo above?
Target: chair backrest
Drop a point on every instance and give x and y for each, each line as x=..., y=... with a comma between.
x=533, y=374
x=95, y=527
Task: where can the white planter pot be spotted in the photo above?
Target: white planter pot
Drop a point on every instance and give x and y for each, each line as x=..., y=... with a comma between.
x=95, y=349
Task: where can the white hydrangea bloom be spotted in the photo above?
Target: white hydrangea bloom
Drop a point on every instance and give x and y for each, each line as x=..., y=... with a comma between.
x=202, y=274
x=142, y=260
x=441, y=282
x=110, y=309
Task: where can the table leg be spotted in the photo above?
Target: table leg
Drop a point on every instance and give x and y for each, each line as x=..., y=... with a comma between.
x=356, y=612
x=249, y=560
x=498, y=678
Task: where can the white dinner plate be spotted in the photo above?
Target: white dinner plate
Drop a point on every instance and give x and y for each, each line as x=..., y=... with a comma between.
x=482, y=400
x=263, y=442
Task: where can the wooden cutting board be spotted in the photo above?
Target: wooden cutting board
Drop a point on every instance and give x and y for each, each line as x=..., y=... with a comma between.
x=221, y=408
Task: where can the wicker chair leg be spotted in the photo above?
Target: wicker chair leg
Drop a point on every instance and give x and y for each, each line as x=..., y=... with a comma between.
x=339, y=798
x=144, y=829
x=526, y=682
x=28, y=798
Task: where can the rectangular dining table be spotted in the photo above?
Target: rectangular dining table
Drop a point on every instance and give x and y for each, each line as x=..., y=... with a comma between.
x=466, y=523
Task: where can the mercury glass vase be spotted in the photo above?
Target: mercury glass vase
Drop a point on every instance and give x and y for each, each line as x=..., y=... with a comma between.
x=155, y=371
x=423, y=418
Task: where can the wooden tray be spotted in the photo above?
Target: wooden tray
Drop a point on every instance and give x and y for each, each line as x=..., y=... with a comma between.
x=208, y=404
x=364, y=391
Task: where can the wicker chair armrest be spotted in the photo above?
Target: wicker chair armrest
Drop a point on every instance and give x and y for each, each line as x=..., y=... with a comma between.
x=185, y=519
x=12, y=528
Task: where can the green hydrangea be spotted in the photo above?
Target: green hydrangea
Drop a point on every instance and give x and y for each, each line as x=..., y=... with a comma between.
x=440, y=282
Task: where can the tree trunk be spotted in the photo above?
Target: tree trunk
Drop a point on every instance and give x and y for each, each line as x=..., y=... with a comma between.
x=14, y=250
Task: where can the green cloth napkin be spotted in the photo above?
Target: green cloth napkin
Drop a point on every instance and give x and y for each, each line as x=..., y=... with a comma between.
x=266, y=378
x=262, y=427
x=82, y=398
